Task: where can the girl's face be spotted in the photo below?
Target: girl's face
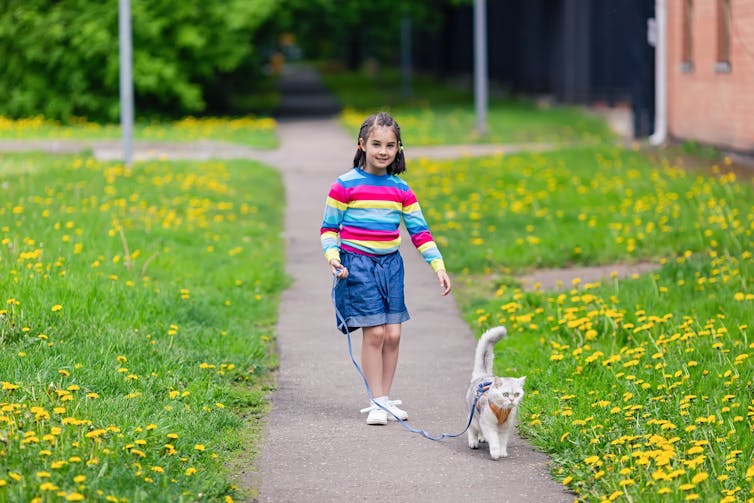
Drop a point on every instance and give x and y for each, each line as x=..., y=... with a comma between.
x=380, y=147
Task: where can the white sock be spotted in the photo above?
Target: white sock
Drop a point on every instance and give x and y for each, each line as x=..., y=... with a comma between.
x=381, y=400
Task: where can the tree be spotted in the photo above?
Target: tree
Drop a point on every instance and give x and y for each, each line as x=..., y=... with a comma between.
x=60, y=57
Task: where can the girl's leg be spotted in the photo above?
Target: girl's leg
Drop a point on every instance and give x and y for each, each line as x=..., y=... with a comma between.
x=372, y=363
x=391, y=342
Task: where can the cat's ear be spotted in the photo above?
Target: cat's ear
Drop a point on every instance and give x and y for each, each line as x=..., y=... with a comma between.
x=521, y=381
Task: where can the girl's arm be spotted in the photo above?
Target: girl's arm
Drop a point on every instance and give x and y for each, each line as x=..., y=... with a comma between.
x=329, y=232
x=418, y=229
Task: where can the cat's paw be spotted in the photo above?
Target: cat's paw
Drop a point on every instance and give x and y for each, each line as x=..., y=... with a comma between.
x=498, y=453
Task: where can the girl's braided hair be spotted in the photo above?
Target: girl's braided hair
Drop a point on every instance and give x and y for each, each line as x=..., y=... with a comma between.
x=398, y=165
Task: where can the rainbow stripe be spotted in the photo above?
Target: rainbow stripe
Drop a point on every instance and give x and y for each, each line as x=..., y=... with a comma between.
x=363, y=213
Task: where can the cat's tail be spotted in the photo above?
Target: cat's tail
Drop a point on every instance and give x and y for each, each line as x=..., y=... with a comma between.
x=485, y=355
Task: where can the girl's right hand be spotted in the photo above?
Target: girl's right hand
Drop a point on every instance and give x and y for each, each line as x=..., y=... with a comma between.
x=337, y=269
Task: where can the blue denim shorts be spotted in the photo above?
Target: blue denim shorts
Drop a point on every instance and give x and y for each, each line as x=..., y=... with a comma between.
x=373, y=292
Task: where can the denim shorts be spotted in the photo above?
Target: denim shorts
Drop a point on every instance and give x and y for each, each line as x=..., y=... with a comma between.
x=373, y=292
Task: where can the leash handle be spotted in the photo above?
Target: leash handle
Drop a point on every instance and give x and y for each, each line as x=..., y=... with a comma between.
x=480, y=389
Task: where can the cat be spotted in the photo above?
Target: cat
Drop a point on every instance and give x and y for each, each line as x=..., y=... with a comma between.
x=495, y=415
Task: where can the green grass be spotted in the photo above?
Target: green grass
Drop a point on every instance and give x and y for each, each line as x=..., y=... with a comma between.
x=257, y=132
x=639, y=389
x=137, y=319
x=440, y=113
x=576, y=206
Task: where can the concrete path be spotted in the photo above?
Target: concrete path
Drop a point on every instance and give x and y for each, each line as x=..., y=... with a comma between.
x=317, y=446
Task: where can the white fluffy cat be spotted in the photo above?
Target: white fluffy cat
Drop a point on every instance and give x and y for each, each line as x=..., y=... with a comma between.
x=495, y=414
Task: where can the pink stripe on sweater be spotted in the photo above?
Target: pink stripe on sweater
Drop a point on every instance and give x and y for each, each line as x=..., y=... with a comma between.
x=421, y=238
x=339, y=193
x=347, y=233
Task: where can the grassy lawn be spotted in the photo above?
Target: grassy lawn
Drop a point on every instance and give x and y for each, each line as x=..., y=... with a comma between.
x=639, y=390
x=260, y=132
x=438, y=114
x=138, y=310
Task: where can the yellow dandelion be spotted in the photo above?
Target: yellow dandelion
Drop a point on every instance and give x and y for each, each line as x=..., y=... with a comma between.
x=48, y=486
x=592, y=460
x=200, y=447
x=56, y=308
x=700, y=477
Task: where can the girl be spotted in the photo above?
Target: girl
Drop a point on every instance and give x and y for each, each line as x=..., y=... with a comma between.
x=360, y=239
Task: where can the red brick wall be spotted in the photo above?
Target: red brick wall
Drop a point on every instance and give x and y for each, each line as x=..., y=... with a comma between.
x=705, y=105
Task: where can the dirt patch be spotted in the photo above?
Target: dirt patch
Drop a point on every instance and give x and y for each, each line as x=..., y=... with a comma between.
x=565, y=279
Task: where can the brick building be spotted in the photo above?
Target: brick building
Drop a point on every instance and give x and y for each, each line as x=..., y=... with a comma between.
x=710, y=72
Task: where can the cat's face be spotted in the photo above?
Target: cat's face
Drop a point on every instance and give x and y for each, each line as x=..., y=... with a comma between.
x=507, y=392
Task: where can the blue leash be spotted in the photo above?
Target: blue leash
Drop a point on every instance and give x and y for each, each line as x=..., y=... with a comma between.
x=479, y=392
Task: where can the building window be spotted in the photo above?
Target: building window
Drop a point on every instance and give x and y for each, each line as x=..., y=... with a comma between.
x=687, y=62
x=722, y=65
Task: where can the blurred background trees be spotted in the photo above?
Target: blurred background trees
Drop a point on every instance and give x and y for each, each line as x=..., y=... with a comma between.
x=59, y=58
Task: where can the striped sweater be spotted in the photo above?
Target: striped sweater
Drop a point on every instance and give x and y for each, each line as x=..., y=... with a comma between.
x=363, y=214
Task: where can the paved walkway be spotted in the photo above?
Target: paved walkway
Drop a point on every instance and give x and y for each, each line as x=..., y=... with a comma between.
x=317, y=446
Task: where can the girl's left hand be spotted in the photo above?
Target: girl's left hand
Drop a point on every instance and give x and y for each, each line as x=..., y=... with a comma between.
x=444, y=282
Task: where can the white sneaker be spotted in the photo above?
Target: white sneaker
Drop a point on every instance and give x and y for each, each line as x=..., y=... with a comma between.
x=399, y=413
x=376, y=416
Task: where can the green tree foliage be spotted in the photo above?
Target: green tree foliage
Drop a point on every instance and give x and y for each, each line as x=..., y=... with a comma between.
x=59, y=58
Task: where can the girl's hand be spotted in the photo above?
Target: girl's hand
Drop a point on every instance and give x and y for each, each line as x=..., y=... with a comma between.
x=337, y=269
x=444, y=282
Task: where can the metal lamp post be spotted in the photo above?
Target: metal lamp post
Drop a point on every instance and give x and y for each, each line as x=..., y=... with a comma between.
x=126, y=80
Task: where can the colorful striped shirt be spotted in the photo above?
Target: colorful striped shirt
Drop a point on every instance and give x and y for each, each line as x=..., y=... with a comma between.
x=363, y=214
